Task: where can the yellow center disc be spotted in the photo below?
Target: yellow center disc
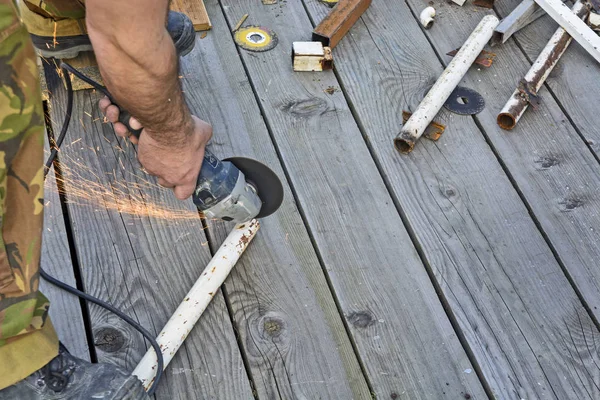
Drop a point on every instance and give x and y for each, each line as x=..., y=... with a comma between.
x=255, y=38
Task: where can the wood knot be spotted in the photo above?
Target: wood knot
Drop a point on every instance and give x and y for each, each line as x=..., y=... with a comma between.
x=109, y=339
x=546, y=162
x=361, y=319
x=393, y=395
x=448, y=191
x=567, y=205
x=306, y=108
x=273, y=326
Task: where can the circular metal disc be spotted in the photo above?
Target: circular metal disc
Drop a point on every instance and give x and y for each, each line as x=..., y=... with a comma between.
x=256, y=38
x=266, y=182
x=465, y=101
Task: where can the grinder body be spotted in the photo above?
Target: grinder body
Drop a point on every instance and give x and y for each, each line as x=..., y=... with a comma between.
x=222, y=191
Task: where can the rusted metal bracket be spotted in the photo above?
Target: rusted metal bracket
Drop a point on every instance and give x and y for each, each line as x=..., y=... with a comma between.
x=433, y=131
x=528, y=94
x=339, y=21
x=484, y=3
x=485, y=58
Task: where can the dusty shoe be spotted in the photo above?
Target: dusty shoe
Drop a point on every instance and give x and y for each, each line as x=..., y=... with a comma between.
x=179, y=25
x=67, y=377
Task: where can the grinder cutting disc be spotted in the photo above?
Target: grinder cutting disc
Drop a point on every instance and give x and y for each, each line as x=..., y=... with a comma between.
x=465, y=101
x=255, y=38
x=267, y=184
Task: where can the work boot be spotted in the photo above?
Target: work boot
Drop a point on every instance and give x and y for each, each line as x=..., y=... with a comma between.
x=68, y=37
x=70, y=378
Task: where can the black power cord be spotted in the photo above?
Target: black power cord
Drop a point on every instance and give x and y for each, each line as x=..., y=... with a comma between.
x=66, y=68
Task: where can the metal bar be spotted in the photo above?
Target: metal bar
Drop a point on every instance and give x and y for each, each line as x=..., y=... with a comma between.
x=339, y=21
x=443, y=87
x=571, y=23
x=536, y=76
x=524, y=14
x=197, y=299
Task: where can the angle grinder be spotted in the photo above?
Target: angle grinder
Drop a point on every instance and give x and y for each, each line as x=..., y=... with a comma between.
x=235, y=189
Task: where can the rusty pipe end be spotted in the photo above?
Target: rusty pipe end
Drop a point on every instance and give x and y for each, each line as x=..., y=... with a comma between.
x=404, y=145
x=506, y=121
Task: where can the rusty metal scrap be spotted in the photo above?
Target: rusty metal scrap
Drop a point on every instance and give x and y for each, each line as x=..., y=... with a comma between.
x=339, y=21
x=485, y=58
x=484, y=3
x=527, y=91
x=433, y=131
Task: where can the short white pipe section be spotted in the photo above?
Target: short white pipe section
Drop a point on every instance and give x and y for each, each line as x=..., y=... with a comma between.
x=446, y=83
x=517, y=104
x=191, y=308
x=427, y=17
x=583, y=34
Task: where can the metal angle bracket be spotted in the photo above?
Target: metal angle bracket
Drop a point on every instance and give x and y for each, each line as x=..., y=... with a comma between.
x=433, y=131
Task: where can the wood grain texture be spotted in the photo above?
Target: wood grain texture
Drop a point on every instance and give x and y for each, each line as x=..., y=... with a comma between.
x=508, y=293
x=403, y=337
x=574, y=81
x=529, y=332
x=143, y=265
x=285, y=315
x=194, y=9
x=65, y=309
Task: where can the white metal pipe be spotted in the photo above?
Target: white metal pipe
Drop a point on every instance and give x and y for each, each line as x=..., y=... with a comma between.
x=426, y=17
x=578, y=29
x=518, y=102
x=446, y=83
x=197, y=299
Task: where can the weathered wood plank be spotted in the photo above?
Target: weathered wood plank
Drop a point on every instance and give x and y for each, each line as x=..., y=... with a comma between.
x=286, y=317
x=143, y=264
x=521, y=318
x=65, y=309
x=574, y=81
x=403, y=336
x=194, y=9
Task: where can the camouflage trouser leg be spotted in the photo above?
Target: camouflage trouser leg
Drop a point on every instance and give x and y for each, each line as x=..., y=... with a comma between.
x=27, y=339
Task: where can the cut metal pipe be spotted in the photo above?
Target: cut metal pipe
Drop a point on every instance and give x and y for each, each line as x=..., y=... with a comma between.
x=426, y=17
x=524, y=14
x=446, y=83
x=536, y=76
x=577, y=28
x=197, y=299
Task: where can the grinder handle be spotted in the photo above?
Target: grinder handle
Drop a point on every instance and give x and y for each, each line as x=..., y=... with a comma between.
x=124, y=119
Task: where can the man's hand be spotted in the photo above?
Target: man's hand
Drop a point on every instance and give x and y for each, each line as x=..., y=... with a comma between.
x=176, y=165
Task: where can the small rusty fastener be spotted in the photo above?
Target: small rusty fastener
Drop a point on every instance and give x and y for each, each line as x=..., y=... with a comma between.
x=485, y=58
x=528, y=94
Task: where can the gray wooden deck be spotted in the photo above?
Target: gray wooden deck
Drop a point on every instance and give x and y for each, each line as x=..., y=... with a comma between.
x=467, y=269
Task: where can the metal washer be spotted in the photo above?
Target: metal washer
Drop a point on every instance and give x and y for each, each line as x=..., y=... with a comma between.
x=474, y=103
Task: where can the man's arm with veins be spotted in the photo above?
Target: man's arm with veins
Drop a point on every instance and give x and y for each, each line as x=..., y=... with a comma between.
x=139, y=65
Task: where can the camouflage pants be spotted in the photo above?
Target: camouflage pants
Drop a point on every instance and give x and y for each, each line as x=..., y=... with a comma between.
x=27, y=338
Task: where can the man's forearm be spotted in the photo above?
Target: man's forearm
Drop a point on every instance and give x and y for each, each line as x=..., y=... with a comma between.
x=139, y=65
